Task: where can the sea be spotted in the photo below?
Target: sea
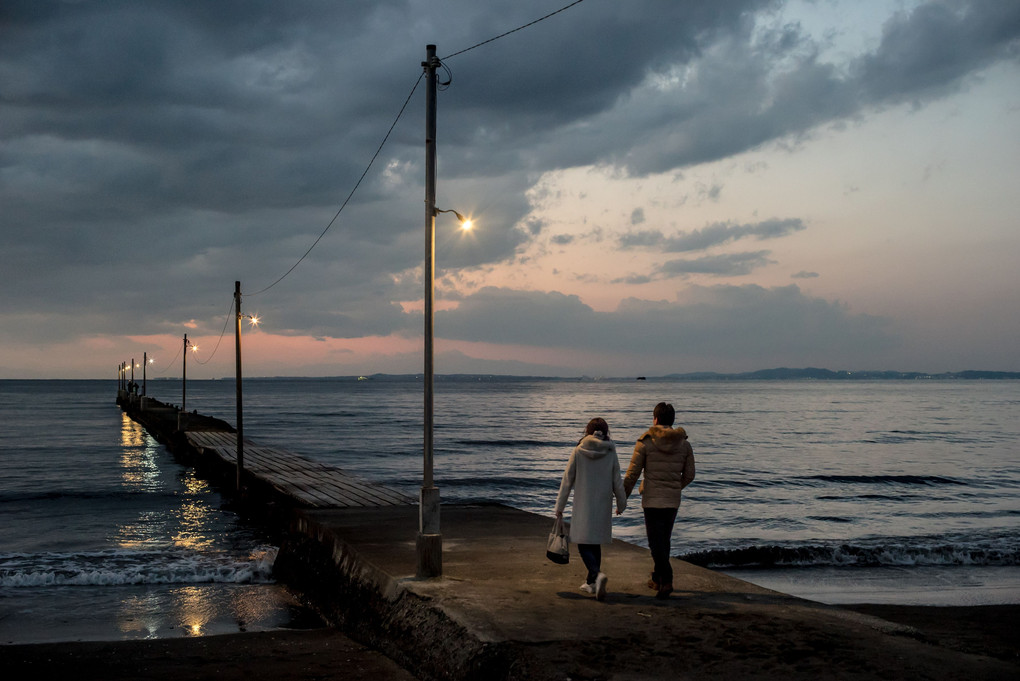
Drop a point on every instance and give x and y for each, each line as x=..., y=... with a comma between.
x=883, y=491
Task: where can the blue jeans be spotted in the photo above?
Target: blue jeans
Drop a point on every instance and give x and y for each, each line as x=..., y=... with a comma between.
x=659, y=528
x=591, y=556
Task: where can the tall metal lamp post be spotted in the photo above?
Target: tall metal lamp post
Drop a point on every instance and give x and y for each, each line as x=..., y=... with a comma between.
x=430, y=539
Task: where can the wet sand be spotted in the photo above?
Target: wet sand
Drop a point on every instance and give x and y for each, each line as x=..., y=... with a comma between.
x=984, y=631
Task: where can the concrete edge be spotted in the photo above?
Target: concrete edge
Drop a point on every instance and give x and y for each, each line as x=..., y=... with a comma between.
x=371, y=606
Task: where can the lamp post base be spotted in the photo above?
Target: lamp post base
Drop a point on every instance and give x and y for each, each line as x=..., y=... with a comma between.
x=430, y=555
x=430, y=539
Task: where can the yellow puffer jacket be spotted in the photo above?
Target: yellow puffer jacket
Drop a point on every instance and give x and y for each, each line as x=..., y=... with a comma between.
x=667, y=460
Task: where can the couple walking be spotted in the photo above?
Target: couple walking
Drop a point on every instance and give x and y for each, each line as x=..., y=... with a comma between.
x=665, y=457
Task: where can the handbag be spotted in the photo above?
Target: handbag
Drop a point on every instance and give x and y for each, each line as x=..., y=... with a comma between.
x=558, y=549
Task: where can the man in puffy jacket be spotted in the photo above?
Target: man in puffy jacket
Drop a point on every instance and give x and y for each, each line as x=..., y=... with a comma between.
x=667, y=460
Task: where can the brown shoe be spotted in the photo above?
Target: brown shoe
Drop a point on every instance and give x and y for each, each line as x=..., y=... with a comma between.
x=664, y=591
x=652, y=584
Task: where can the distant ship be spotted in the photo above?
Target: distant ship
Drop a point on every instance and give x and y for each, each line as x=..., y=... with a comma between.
x=362, y=378
x=641, y=378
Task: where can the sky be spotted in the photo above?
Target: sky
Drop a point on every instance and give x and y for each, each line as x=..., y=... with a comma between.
x=658, y=186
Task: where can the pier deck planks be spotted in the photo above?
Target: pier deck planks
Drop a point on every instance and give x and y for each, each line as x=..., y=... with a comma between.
x=308, y=482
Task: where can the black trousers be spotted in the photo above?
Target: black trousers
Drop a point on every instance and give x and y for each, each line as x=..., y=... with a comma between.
x=659, y=528
x=591, y=556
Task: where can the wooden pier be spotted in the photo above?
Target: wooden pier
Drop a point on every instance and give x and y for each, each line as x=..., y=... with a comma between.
x=309, y=483
x=288, y=478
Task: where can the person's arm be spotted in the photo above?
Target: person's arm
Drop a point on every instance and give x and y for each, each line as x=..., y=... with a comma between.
x=566, y=484
x=637, y=464
x=688, y=474
x=618, y=490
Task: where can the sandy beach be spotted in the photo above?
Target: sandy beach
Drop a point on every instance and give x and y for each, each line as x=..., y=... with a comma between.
x=983, y=631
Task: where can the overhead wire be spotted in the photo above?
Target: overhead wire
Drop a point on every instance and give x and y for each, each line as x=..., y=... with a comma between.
x=222, y=333
x=386, y=137
x=519, y=28
x=349, y=196
x=173, y=361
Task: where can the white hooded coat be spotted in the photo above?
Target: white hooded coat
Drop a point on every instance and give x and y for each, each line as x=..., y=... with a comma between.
x=593, y=472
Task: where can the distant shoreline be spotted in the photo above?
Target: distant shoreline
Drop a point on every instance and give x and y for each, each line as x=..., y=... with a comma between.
x=781, y=374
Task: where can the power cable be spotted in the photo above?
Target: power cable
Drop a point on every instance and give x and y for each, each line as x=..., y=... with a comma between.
x=349, y=196
x=222, y=333
x=519, y=28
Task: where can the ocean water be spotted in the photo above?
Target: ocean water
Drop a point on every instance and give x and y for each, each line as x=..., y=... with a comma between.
x=880, y=491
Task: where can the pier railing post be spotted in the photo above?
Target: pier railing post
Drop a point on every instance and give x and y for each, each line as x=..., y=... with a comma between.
x=430, y=540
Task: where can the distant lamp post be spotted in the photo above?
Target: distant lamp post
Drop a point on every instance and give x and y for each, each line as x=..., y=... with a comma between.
x=254, y=320
x=430, y=539
x=184, y=379
x=146, y=361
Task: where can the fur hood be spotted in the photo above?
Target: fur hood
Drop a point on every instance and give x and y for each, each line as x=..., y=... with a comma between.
x=594, y=447
x=665, y=439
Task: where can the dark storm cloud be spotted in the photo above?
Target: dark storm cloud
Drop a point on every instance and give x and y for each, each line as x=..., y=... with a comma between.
x=713, y=321
x=749, y=85
x=929, y=51
x=152, y=152
x=713, y=235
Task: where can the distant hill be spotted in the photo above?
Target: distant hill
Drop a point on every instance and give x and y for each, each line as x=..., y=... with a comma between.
x=813, y=374
x=783, y=374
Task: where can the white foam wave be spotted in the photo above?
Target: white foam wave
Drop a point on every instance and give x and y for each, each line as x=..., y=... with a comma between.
x=119, y=568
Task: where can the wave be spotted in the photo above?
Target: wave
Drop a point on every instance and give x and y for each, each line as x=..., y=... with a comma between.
x=121, y=568
x=503, y=483
x=895, y=437
x=927, y=480
x=852, y=555
x=515, y=443
x=83, y=495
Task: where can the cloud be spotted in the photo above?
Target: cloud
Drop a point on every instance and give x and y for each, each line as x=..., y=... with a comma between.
x=152, y=153
x=713, y=235
x=930, y=51
x=748, y=83
x=715, y=322
x=731, y=264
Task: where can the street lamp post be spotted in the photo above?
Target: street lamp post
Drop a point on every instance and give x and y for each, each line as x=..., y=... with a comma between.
x=184, y=377
x=240, y=408
x=430, y=539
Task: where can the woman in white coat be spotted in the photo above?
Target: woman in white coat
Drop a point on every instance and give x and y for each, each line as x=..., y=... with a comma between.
x=593, y=472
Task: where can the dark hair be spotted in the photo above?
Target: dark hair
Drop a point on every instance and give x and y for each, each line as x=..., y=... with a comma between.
x=597, y=424
x=664, y=414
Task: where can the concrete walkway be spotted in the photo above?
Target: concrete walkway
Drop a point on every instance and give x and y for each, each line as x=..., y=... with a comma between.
x=503, y=611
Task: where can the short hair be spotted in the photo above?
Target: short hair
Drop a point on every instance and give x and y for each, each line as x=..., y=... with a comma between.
x=597, y=424
x=664, y=414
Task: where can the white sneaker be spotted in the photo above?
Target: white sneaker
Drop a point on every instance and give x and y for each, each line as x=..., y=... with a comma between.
x=600, y=586
x=588, y=588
